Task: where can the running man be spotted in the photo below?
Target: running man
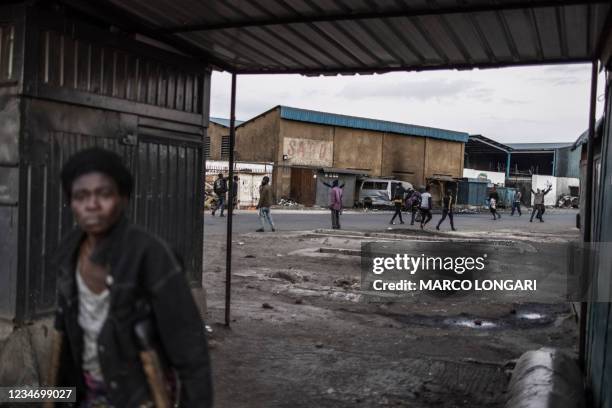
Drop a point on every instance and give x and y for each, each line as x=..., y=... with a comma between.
x=516, y=203
x=448, y=205
x=493, y=203
x=398, y=202
x=425, y=207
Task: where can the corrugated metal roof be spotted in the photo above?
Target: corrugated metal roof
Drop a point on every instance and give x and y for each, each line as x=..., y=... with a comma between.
x=538, y=146
x=584, y=137
x=362, y=36
x=332, y=119
x=225, y=122
x=490, y=142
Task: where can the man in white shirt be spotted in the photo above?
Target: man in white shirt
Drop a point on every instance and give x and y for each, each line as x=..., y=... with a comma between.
x=426, y=205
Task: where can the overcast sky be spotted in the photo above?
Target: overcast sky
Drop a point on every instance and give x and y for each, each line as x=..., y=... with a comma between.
x=527, y=104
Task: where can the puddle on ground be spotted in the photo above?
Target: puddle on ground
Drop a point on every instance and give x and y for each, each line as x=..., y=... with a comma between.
x=337, y=295
x=525, y=319
x=472, y=324
x=531, y=316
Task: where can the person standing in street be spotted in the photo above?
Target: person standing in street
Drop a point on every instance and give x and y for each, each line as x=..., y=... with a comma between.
x=538, y=203
x=220, y=189
x=266, y=200
x=413, y=203
x=122, y=295
x=398, y=202
x=426, y=206
x=516, y=203
x=335, y=204
x=235, y=184
x=448, y=205
x=493, y=203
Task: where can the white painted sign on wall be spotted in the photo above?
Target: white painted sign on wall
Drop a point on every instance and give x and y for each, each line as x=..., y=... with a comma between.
x=308, y=152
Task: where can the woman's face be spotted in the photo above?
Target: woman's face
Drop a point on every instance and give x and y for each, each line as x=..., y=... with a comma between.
x=96, y=203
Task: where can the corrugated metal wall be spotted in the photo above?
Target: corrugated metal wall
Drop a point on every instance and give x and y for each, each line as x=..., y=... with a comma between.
x=48, y=213
x=471, y=193
x=7, y=48
x=166, y=199
x=567, y=163
x=10, y=119
x=599, y=337
x=82, y=65
x=79, y=91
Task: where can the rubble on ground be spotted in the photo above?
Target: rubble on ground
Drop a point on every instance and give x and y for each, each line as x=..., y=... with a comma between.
x=292, y=277
x=347, y=283
x=568, y=201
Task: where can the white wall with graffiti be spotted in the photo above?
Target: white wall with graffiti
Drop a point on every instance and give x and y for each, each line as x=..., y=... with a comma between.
x=249, y=178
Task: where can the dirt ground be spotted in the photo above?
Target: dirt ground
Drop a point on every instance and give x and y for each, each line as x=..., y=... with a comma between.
x=304, y=335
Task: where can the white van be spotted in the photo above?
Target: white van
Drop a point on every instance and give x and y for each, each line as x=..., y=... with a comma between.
x=379, y=192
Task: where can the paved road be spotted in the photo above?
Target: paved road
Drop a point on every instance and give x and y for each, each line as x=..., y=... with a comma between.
x=246, y=221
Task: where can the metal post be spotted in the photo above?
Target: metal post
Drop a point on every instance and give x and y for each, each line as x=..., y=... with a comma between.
x=588, y=200
x=230, y=207
x=508, y=166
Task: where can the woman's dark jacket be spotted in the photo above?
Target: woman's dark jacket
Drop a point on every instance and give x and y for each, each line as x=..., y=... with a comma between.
x=146, y=282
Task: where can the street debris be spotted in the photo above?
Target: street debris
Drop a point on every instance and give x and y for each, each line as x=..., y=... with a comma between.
x=292, y=277
x=267, y=306
x=470, y=209
x=567, y=201
x=287, y=202
x=347, y=283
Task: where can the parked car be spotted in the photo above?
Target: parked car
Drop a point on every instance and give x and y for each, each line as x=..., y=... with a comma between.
x=379, y=192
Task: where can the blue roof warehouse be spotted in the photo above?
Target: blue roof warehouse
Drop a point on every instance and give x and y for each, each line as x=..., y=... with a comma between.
x=300, y=142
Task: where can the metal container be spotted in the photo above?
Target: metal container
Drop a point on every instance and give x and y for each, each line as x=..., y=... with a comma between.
x=472, y=192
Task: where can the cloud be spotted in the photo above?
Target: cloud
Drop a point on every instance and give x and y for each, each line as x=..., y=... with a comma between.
x=510, y=101
x=569, y=80
x=511, y=119
x=569, y=69
x=511, y=104
x=558, y=80
x=481, y=94
x=418, y=90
